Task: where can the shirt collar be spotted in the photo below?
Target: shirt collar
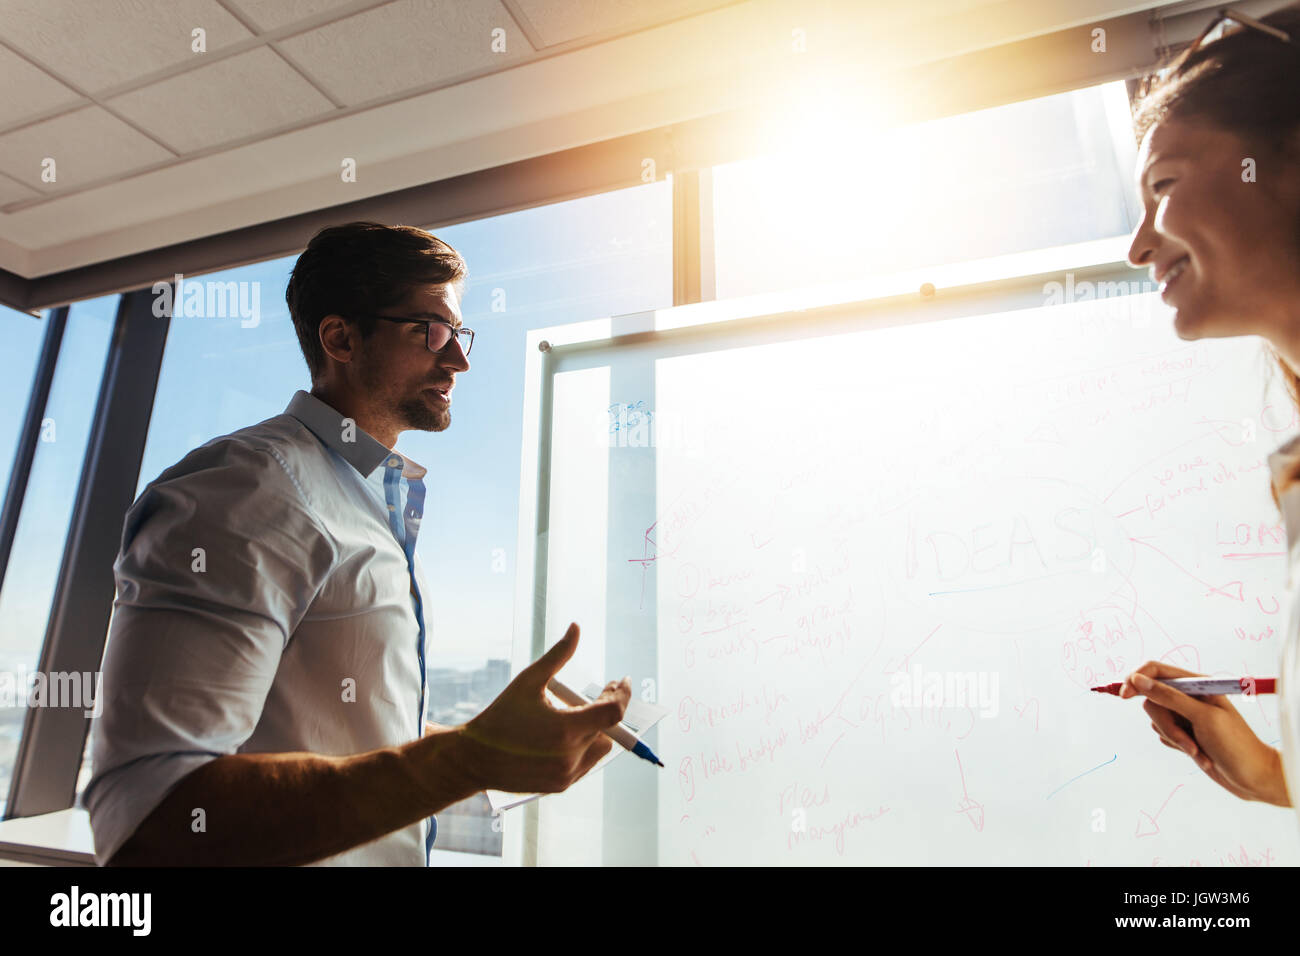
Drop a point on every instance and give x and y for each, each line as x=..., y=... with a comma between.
x=365, y=454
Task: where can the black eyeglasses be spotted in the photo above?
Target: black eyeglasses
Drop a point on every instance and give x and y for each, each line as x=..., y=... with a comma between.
x=438, y=332
x=1219, y=28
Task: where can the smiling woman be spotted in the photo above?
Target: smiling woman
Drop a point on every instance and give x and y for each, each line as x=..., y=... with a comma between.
x=1219, y=181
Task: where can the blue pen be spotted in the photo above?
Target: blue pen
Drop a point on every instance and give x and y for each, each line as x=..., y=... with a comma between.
x=618, y=733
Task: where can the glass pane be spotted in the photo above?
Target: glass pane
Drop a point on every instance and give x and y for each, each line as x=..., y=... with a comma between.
x=593, y=257
x=28, y=588
x=1032, y=175
x=588, y=258
x=23, y=335
x=220, y=374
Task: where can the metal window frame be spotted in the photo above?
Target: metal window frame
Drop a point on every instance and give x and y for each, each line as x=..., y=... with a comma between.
x=53, y=739
x=25, y=453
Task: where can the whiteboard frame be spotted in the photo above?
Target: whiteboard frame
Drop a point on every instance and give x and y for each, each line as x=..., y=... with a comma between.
x=954, y=291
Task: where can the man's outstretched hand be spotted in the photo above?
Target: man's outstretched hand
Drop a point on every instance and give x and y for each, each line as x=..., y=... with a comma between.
x=522, y=744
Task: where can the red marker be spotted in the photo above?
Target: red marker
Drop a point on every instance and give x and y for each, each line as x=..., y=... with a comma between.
x=1207, y=686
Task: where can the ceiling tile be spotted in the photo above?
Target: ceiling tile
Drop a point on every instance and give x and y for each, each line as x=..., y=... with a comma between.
x=86, y=145
x=558, y=21
x=273, y=14
x=100, y=45
x=28, y=90
x=404, y=45
x=11, y=191
x=230, y=99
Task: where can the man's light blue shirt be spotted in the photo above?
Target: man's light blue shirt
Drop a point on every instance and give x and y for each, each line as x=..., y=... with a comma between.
x=268, y=601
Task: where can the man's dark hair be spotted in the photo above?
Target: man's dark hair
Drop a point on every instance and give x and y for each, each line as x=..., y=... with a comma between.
x=363, y=267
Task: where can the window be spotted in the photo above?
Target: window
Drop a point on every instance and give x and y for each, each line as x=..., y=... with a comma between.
x=589, y=258
x=569, y=262
x=1046, y=172
x=32, y=575
x=23, y=335
x=219, y=374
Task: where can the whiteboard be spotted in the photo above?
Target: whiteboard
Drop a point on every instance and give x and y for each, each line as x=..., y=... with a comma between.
x=883, y=564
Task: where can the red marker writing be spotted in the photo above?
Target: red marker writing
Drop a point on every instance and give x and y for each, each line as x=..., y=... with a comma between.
x=1207, y=686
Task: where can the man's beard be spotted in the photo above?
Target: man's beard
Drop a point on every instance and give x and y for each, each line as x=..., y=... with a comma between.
x=419, y=414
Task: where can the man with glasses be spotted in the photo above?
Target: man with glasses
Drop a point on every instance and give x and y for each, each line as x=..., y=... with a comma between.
x=263, y=684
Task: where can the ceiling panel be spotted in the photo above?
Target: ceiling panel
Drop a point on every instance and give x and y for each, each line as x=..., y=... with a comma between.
x=405, y=45
x=273, y=14
x=101, y=44
x=11, y=191
x=559, y=21
x=28, y=90
x=86, y=145
x=230, y=99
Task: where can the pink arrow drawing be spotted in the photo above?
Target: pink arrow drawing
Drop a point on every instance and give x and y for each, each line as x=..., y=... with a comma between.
x=1155, y=827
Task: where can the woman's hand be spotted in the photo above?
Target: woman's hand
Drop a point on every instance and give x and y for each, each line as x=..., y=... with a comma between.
x=1212, y=733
